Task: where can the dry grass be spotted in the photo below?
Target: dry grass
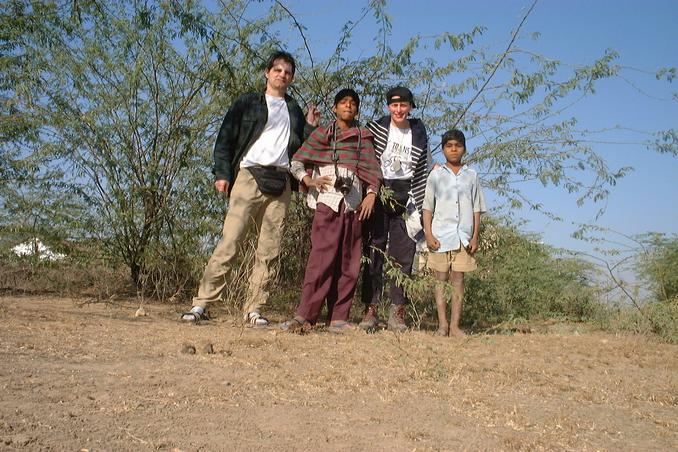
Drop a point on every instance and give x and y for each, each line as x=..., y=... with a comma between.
x=93, y=376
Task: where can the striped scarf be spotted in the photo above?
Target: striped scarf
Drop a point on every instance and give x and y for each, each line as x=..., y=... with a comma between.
x=317, y=150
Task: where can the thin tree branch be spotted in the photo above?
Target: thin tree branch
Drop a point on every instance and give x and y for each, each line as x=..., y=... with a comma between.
x=496, y=66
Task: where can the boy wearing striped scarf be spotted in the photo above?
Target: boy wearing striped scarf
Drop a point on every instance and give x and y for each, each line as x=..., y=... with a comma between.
x=336, y=164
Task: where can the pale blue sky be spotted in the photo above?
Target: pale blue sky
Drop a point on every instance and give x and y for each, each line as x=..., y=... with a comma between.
x=644, y=33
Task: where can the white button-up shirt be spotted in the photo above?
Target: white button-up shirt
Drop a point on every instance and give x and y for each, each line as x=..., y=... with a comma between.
x=453, y=199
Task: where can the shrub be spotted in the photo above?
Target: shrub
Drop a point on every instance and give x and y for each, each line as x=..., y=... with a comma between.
x=655, y=319
x=517, y=278
x=658, y=264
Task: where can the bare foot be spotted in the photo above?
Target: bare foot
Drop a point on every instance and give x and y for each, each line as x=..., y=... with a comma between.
x=456, y=332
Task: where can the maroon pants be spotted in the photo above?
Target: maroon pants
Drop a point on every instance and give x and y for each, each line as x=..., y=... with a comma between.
x=333, y=264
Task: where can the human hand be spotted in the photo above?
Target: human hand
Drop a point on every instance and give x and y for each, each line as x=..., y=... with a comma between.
x=367, y=206
x=313, y=115
x=221, y=185
x=472, y=246
x=319, y=182
x=432, y=242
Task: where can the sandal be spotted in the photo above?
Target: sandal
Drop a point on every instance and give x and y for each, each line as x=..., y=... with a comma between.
x=256, y=320
x=194, y=317
x=295, y=324
x=341, y=327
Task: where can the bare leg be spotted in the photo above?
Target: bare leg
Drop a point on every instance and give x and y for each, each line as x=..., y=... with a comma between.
x=457, y=279
x=441, y=303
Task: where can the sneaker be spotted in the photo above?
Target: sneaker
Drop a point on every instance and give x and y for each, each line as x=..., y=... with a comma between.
x=256, y=320
x=396, y=318
x=370, y=320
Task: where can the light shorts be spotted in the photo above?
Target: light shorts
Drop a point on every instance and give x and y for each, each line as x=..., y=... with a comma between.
x=457, y=261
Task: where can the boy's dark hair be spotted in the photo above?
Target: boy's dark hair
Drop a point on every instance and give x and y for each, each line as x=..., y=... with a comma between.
x=453, y=134
x=281, y=55
x=347, y=92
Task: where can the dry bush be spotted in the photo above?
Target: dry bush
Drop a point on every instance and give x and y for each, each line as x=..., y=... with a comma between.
x=659, y=319
x=70, y=277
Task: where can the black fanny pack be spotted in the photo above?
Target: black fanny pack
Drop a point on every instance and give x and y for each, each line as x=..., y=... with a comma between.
x=270, y=180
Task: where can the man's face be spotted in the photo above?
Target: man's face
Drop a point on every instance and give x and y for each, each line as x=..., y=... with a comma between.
x=399, y=110
x=454, y=151
x=346, y=109
x=280, y=76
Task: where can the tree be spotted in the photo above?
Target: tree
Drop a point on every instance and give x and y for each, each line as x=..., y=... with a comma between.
x=658, y=264
x=125, y=98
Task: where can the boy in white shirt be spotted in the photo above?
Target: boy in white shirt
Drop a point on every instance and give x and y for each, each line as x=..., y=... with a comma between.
x=452, y=206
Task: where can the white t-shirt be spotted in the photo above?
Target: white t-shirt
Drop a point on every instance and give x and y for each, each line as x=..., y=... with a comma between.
x=271, y=147
x=396, y=160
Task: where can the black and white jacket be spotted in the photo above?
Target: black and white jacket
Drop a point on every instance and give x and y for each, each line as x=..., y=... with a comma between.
x=421, y=155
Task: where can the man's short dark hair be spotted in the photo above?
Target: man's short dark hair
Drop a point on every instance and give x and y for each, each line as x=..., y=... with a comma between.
x=454, y=134
x=347, y=92
x=281, y=55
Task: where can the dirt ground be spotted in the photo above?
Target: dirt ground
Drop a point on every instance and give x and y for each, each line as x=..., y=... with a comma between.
x=92, y=376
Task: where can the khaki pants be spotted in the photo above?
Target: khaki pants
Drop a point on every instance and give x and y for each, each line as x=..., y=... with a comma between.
x=247, y=206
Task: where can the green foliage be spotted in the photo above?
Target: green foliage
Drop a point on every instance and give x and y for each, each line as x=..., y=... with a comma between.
x=666, y=142
x=659, y=319
x=109, y=112
x=295, y=245
x=657, y=265
x=519, y=277
x=127, y=97
x=668, y=73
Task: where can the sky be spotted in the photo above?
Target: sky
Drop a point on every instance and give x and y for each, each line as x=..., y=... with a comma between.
x=644, y=33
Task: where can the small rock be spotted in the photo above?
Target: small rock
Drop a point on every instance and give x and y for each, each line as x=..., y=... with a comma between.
x=141, y=312
x=188, y=349
x=208, y=348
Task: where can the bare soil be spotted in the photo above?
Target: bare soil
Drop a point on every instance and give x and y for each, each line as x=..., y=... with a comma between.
x=78, y=376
